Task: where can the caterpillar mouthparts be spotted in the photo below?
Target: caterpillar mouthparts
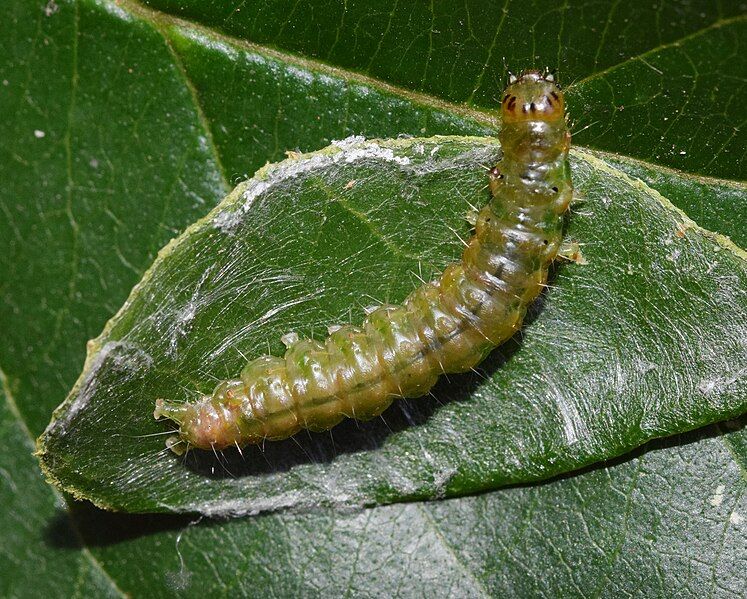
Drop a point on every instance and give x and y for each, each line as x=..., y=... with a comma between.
x=445, y=326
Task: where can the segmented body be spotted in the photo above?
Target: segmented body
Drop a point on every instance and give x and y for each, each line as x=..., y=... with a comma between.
x=446, y=326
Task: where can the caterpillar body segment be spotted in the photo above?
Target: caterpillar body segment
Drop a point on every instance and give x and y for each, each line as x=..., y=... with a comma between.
x=445, y=326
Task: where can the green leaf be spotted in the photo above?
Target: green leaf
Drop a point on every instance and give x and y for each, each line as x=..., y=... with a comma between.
x=312, y=241
x=669, y=521
x=656, y=81
x=717, y=205
x=123, y=125
x=40, y=549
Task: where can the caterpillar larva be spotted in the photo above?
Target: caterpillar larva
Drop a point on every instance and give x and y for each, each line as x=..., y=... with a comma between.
x=445, y=326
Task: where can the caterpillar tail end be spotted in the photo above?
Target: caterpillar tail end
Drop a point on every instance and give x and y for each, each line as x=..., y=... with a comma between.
x=175, y=412
x=171, y=410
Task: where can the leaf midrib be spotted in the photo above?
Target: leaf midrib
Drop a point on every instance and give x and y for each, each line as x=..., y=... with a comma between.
x=137, y=8
x=162, y=21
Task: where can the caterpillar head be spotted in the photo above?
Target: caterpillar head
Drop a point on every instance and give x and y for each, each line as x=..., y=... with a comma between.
x=533, y=96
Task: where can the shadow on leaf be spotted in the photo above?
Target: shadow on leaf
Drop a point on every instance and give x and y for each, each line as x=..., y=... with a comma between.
x=98, y=528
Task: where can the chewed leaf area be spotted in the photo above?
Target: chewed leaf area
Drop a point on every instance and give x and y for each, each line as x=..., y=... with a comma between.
x=644, y=338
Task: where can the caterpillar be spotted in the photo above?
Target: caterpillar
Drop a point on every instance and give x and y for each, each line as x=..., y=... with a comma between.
x=446, y=326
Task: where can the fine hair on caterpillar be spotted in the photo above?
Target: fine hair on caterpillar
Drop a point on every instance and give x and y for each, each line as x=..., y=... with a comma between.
x=448, y=325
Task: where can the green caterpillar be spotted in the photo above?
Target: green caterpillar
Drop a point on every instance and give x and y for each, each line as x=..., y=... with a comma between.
x=446, y=326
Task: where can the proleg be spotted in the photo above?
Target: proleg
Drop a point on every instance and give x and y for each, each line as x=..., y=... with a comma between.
x=446, y=326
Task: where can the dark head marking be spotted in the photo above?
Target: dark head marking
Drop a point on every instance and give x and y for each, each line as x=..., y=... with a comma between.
x=537, y=94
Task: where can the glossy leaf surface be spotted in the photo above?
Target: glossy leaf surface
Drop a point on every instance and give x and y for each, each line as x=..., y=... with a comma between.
x=122, y=125
x=311, y=242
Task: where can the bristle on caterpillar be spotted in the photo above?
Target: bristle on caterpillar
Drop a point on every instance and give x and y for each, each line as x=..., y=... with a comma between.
x=445, y=326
